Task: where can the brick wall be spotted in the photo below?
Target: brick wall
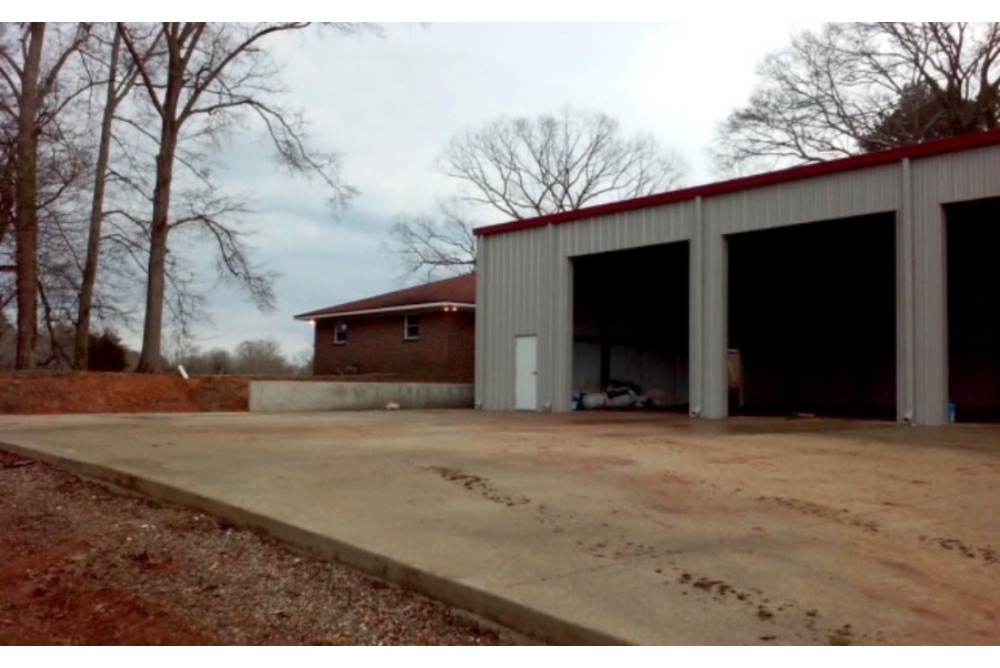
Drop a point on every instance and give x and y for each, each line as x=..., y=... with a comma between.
x=444, y=352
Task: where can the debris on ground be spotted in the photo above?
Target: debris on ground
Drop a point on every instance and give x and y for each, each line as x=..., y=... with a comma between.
x=619, y=394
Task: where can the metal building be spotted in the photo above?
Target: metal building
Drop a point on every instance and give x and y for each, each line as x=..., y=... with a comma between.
x=868, y=286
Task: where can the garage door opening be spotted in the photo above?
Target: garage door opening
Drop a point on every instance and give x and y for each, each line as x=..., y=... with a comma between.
x=630, y=328
x=973, y=238
x=812, y=319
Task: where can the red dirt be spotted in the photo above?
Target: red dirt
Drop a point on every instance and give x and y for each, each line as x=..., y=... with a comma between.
x=46, y=393
x=84, y=565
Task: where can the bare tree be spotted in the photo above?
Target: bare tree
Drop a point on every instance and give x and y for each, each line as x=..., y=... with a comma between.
x=253, y=356
x=28, y=76
x=528, y=167
x=517, y=168
x=64, y=149
x=261, y=356
x=8, y=138
x=118, y=80
x=220, y=361
x=303, y=362
x=855, y=87
x=428, y=247
x=8, y=345
x=33, y=100
x=213, y=77
x=217, y=361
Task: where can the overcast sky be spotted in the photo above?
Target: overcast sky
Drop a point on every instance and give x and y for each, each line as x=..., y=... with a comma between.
x=389, y=103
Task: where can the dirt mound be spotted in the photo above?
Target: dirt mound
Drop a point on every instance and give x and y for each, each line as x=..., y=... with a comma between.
x=46, y=393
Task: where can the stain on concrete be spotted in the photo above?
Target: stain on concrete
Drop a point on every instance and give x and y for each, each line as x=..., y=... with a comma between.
x=842, y=636
x=784, y=614
x=987, y=554
x=481, y=486
x=840, y=516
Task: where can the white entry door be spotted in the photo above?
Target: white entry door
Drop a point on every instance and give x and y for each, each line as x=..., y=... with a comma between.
x=526, y=373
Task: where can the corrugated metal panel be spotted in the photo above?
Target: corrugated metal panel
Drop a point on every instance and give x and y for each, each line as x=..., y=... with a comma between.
x=905, y=315
x=715, y=328
x=482, y=331
x=696, y=312
x=526, y=276
x=526, y=286
x=558, y=377
x=937, y=181
x=513, y=286
x=823, y=198
x=958, y=176
x=869, y=161
x=631, y=229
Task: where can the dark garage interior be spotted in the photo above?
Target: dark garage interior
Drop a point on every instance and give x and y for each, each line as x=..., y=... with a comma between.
x=812, y=319
x=973, y=239
x=630, y=323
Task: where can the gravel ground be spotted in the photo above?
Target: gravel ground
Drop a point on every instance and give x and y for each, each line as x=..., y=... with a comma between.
x=81, y=564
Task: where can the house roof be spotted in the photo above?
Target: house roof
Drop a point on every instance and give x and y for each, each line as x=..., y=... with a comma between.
x=457, y=291
x=924, y=150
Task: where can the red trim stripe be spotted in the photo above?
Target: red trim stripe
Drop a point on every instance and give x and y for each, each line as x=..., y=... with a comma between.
x=924, y=150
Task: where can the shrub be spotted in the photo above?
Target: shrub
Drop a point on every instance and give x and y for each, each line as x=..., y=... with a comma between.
x=107, y=353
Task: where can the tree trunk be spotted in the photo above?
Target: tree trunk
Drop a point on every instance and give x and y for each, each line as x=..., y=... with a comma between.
x=152, y=331
x=26, y=195
x=80, y=346
x=170, y=128
x=149, y=359
x=7, y=167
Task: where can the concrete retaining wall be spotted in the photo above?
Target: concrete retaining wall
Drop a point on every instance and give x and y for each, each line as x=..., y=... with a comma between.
x=291, y=395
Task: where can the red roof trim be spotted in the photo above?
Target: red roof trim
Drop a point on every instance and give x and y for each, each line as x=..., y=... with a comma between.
x=926, y=149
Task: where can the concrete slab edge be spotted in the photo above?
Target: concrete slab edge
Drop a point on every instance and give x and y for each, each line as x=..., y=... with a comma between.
x=531, y=622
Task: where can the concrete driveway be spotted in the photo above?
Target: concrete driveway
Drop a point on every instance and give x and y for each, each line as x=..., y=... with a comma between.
x=619, y=527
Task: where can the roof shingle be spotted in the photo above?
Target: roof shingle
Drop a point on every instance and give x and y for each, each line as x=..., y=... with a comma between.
x=458, y=290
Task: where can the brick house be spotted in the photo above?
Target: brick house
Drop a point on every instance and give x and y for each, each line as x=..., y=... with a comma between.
x=426, y=332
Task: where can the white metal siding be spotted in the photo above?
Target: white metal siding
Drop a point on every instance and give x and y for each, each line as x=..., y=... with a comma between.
x=940, y=180
x=525, y=277
x=823, y=198
x=513, y=281
x=525, y=287
x=631, y=229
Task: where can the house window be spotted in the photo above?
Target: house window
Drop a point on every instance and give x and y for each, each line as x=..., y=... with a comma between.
x=411, y=327
x=340, y=333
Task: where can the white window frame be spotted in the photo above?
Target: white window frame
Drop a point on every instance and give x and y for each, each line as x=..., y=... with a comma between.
x=406, y=327
x=340, y=334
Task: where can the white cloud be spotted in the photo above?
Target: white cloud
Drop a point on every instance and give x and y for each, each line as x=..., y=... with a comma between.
x=388, y=104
